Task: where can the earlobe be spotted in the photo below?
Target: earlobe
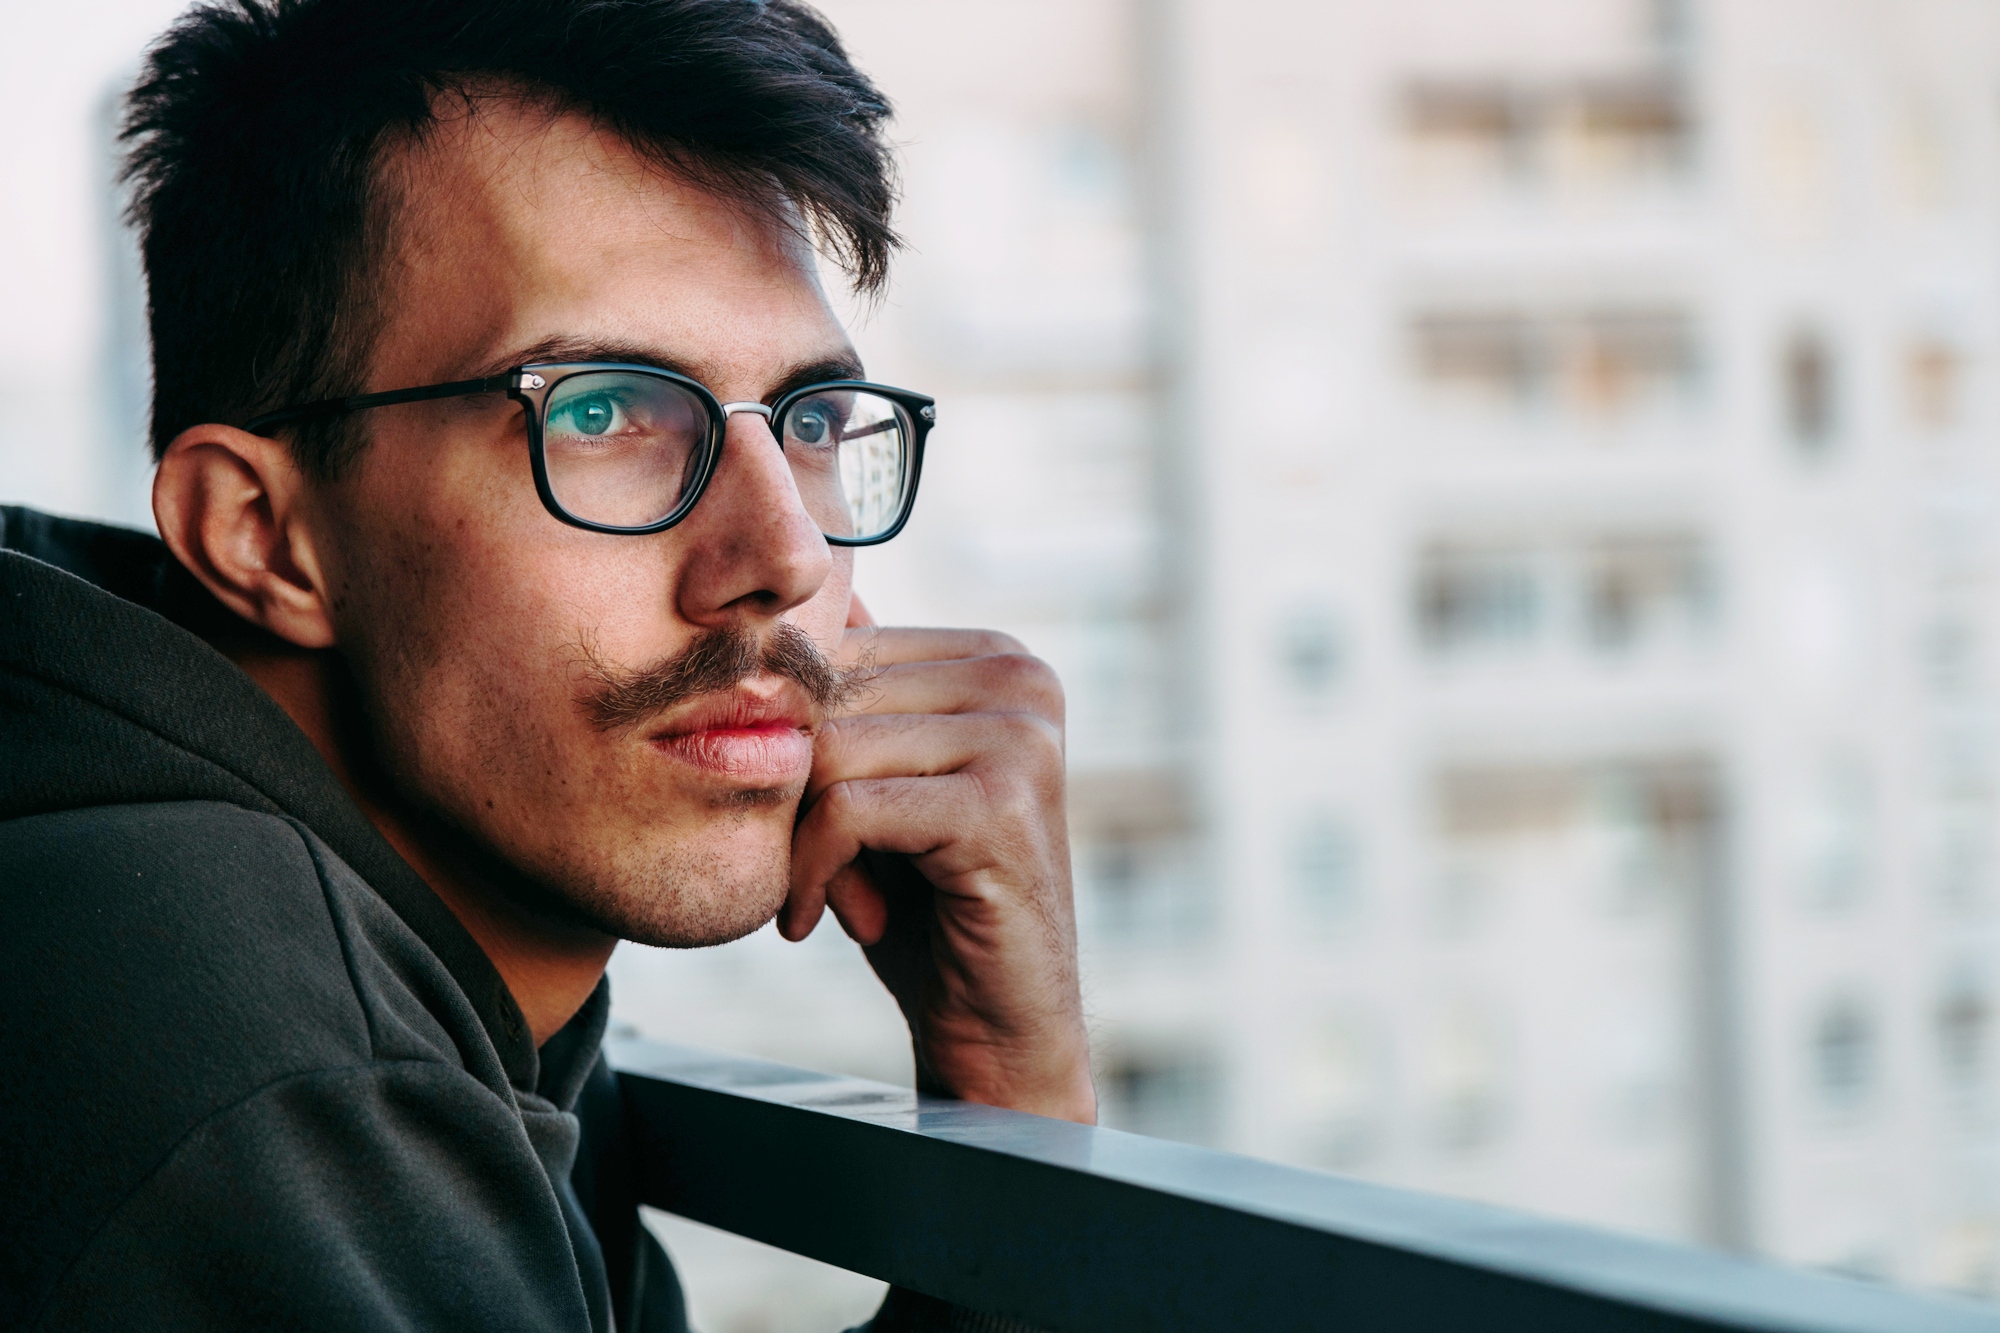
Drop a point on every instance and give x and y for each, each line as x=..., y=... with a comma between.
x=229, y=505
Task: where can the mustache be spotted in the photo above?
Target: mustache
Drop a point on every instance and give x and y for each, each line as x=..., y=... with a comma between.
x=717, y=660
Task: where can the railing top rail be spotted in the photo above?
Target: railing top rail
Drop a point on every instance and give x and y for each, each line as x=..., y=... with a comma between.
x=1074, y=1228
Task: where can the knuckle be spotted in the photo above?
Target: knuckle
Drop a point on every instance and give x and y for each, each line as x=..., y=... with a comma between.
x=994, y=643
x=1029, y=679
x=1024, y=732
x=1031, y=750
x=1024, y=669
x=837, y=802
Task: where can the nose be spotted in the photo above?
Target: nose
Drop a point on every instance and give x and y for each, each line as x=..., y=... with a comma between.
x=752, y=547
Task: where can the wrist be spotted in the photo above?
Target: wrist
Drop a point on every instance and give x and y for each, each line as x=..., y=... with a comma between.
x=1056, y=1085
x=1073, y=1099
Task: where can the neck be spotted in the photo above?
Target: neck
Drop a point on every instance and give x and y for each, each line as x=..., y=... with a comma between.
x=550, y=968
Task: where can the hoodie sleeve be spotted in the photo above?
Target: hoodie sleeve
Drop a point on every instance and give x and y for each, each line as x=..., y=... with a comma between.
x=256, y=1222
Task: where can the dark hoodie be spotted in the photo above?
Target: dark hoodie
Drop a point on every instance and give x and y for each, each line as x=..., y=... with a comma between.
x=262, y=1077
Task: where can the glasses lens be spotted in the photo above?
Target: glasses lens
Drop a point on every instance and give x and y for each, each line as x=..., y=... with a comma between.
x=850, y=455
x=622, y=448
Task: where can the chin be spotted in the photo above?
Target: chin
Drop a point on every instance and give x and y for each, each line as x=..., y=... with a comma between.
x=687, y=898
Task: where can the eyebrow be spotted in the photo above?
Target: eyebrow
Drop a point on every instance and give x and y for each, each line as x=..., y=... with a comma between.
x=844, y=366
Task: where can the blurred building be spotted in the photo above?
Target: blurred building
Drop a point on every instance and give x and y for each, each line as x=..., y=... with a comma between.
x=1507, y=485
x=1602, y=388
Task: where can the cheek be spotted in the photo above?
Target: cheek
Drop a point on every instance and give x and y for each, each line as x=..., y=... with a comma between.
x=825, y=616
x=469, y=631
x=517, y=620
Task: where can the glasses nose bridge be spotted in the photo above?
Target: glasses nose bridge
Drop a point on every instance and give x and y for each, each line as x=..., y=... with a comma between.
x=783, y=468
x=753, y=410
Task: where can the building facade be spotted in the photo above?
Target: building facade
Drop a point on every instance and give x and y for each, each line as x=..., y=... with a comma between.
x=1508, y=487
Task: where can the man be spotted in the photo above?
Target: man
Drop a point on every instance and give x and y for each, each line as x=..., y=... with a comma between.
x=511, y=463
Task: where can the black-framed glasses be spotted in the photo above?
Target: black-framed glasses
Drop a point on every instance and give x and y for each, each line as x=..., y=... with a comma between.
x=629, y=449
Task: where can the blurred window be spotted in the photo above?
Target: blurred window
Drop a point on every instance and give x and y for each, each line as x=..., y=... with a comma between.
x=1645, y=588
x=1933, y=372
x=1950, y=647
x=1621, y=129
x=1601, y=130
x=1338, y=1091
x=1926, y=159
x=1594, y=366
x=1962, y=756
x=1639, y=1040
x=1642, y=830
x=1469, y=597
x=1469, y=127
x=1617, y=593
x=1617, y=361
x=1496, y=358
x=1808, y=371
x=1843, y=1054
x=1165, y=1094
x=1965, y=1032
x=1836, y=835
x=1312, y=652
x=1136, y=891
x=1463, y=1067
x=1326, y=871
x=1491, y=822
x=1962, y=856
x=1486, y=803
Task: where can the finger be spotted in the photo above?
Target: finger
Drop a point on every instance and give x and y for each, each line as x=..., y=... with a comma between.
x=1002, y=683
x=805, y=904
x=861, y=908
x=913, y=816
x=907, y=745
x=857, y=612
x=873, y=645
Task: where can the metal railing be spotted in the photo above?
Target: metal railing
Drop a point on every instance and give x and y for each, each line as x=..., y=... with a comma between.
x=1082, y=1230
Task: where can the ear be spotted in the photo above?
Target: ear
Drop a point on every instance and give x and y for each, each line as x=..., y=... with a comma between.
x=231, y=507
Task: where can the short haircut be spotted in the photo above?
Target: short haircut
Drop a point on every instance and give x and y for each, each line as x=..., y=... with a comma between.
x=257, y=128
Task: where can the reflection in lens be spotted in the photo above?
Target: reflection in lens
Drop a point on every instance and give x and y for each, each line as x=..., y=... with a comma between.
x=622, y=447
x=850, y=455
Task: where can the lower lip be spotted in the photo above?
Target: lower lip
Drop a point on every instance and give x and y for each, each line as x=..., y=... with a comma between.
x=770, y=756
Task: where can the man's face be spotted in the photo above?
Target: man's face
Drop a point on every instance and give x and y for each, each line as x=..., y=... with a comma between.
x=481, y=629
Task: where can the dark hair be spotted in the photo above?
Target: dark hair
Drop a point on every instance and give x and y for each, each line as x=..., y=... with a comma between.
x=257, y=126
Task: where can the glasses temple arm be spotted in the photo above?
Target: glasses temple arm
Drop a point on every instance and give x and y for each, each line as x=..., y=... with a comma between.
x=329, y=407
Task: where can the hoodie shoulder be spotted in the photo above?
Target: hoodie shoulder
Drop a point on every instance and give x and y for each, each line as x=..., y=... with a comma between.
x=182, y=946
x=165, y=966
x=157, y=963
x=106, y=701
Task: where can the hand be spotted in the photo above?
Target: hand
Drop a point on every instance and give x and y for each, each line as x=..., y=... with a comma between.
x=933, y=825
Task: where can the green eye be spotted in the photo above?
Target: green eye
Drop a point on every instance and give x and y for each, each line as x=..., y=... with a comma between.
x=587, y=414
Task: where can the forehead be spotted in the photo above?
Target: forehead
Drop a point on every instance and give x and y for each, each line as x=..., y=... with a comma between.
x=513, y=225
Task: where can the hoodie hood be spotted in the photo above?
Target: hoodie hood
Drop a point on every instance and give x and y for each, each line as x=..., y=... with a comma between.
x=109, y=695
